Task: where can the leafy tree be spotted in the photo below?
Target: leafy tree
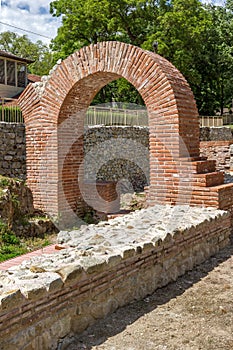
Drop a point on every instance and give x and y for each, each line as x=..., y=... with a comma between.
x=118, y=91
x=215, y=63
x=182, y=29
x=22, y=46
x=90, y=21
x=196, y=38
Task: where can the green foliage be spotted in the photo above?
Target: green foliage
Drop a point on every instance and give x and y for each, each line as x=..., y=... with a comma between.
x=11, y=251
x=11, y=241
x=196, y=38
x=4, y=181
x=10, y=114
x=10, y=245
x=90, y=21
x=7, y=237
x=118, y=91
x=22, y=46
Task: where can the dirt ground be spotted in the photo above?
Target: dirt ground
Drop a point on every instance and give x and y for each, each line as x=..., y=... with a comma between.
x=194, y=313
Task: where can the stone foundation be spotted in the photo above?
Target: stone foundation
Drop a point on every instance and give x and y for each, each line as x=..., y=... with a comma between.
x=44, y=302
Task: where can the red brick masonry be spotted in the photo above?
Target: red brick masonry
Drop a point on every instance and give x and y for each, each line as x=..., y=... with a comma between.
x=54, y=113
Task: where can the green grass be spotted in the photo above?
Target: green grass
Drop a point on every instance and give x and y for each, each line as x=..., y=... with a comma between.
x=12, y=246
x=4, y=181
x=11, y=251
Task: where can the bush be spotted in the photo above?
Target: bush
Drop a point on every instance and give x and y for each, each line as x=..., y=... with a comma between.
x=10, y=245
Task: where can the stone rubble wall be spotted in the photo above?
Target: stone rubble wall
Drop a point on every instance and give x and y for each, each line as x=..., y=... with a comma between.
x=220, y=151
x=217, y=144
x=113, y=153
x=45, y=302
x=12, y=150
x=215, y=134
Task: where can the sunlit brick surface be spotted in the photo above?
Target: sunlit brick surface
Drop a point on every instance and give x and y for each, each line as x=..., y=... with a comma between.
x=54, y=113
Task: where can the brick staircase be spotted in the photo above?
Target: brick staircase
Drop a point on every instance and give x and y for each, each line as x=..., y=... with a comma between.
x=196, y=182
x=208, y=186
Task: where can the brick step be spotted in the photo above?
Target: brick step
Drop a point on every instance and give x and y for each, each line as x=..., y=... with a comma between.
x=225, y=195
x=208, y=179
x=200, y=166
x=218, y=189
x=203, y=166
x=220, y=196
x=193, y=159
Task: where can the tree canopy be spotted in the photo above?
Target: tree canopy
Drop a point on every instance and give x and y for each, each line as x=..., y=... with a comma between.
x=22, y=46
x=196, y=37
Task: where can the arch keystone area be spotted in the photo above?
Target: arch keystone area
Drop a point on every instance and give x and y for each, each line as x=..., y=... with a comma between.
x=54, y=113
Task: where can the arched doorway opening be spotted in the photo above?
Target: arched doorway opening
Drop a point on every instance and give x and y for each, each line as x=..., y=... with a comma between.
x=54, y=112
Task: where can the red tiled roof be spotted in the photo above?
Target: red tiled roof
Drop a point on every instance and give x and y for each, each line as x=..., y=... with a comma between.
x=33, y=78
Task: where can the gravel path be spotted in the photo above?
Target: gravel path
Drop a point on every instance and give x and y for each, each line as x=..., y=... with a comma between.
x=194, y=313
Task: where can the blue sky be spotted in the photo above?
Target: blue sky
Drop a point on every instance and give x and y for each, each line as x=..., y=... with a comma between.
x=34, y=15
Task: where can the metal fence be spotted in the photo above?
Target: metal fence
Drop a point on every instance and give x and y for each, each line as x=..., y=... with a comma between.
x=228, y=119
x=116, y=116
x=217, y=120
x=210, y=121
x=97, y=115
x=9, y=111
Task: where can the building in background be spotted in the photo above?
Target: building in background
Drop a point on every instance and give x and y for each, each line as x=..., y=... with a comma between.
x=14, y=75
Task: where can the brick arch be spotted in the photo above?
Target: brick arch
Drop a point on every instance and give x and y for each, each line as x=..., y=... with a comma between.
x=54, y=113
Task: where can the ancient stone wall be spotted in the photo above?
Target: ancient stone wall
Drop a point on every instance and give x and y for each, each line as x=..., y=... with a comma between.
x=113, y=153
x=215, y=134
x=44, y=302
x=12, y=150
x=216, y=144
x=220, y=151
x=104, y=162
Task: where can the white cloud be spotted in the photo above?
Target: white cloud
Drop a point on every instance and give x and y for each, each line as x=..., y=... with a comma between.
x=214, y=2
x=32, y=15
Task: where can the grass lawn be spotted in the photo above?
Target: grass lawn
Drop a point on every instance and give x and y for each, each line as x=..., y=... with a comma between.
x=12, y=246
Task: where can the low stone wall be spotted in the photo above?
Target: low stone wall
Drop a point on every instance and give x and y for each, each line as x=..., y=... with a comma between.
x=113, y=153
x=12, y=150
x=215, y=134
x=220, y=151
x=216, y=144
x=46, y=301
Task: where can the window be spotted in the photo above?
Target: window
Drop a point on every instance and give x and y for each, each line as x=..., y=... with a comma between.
x=11, y=73
x=14, y=78
x=2, y=72
x=21, y=71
